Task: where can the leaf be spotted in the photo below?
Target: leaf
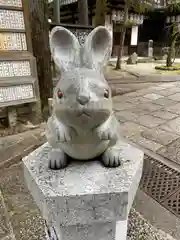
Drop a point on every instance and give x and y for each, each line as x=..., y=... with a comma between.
x=173, y=6
x=141, y=6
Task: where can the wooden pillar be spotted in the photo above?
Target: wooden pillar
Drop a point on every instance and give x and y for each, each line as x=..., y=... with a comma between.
x=91, y=14
x=56, y=11
x=100, y=13
x=73, y=18
x=83, y=13
x=41, y=50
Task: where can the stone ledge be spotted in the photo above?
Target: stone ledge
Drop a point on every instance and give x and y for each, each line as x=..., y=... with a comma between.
x=84, y=192
x=20, y=146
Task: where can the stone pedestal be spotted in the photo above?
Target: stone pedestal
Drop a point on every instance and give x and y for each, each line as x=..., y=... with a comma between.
x=84, y=201
x=150, y=48
x=12, y=116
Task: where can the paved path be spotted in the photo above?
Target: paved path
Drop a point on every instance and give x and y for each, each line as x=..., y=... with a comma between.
x=151, y=118
x=143, y=72
x=146, y=66
x=136, y=77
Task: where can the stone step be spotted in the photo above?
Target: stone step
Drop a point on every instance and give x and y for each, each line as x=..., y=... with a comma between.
x=13, y=148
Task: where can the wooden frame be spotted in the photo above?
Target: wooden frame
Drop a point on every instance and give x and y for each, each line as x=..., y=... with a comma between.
x=18, y=55
x=27, y=25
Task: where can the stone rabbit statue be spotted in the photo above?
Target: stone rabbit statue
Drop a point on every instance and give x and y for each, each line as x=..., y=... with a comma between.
x=82, y=125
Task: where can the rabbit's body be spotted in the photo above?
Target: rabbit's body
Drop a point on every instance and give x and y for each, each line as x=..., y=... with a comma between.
x=82, y=149
x=80, y=144
x=82, y=125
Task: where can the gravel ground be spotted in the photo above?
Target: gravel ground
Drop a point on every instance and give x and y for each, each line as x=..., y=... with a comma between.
x=141, y=229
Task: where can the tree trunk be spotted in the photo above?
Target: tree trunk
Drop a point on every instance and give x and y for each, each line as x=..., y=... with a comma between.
x=171, y=52
x=100, y=14
x=40, y=43
x=83, y=12
x=122, y=36
x=169, y=61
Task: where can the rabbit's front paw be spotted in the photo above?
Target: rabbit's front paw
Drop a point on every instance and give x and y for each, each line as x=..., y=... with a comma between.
x=57, y=159
x=105, y=134
x=65, y=134
x=111, y=158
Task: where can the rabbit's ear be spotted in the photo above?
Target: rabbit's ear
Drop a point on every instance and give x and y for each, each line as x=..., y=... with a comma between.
x=65, y=48
x=97, y=48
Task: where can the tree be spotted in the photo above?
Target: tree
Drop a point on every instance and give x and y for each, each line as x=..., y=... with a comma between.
x=173, y=7
x=172, y=44
x=40, y=43
x=100, y=13
x=123, y=34
x=139, y=6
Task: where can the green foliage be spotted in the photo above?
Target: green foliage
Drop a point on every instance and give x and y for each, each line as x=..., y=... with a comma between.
x=165, y=68
x=175, y=31
x=173, y=6
x=130, y=23
x=140, y=6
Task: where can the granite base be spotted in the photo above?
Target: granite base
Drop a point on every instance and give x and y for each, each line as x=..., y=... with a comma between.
x=84, y=201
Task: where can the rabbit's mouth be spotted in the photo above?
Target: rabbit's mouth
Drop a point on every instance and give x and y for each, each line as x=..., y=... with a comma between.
x=83, y=113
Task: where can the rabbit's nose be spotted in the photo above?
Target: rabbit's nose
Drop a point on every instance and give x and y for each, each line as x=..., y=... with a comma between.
x=83, y=99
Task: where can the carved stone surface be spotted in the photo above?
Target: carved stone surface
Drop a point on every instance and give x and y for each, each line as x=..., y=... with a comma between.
x=13, y=42
x=85, y=200
x=14, y=93
x=15, y=68
x=11, y=19
x=12, y=117
x=132, y=59
x=82, y=125
x=11, y=3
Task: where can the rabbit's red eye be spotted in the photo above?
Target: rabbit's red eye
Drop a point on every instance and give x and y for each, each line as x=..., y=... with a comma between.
x=60, y=94
x=106, y=93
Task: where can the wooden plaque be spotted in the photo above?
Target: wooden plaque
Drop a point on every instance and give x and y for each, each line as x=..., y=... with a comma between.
x=18, y=78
